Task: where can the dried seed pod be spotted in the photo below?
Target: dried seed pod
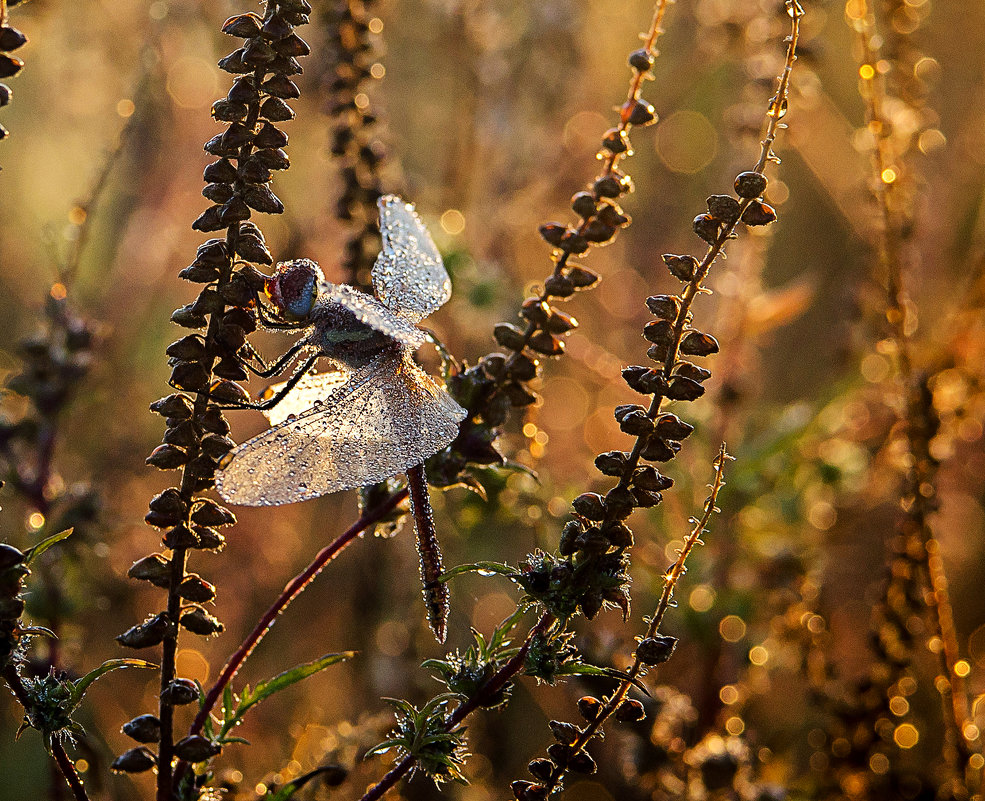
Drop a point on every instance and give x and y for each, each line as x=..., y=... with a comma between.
x=208, y=513
x=559, y=286
x=9, y=66
x=659, y=332
x=660, y=450
x=200, y=622
x=611, y=214
x=223, y=391
x=697, y=344
x=541, y=769
x=686, y=389
x=639, y=112
x=598, y=231
x=615, y=140
x=528, y=791
x=167, y=457
x=759, y=213
x=656, y=650
x=189, y=376
x=724, y=208
x=180, y=692
x=568, y=543
x=589, y=505
x=619, y=503
x=683, y=268
x=523, y=368
x=136, y=760
x=509, y=336
x=225, y=110
x=581, y=278
x=750, y=184
x=5, y=94
x=692, y=371
x=611, y=463
x=262, y=198
x=706, y=227
x=144, y=635
x=630, y=711
x=589, y=707
x=574, y=242
x=666, y=307
x=196, y=589
x=559, y=754
x=560, y=323
x=670, y=426
x=583, y=204
x=535, y=310
x=270, y=136
x=592, y=541
x=10, y=556
x=272, y=159
x=582, y=762
x=276, y=27
x=641, y=60
x=196, y=748
x=545, y=343
x=166, y=509
x=206, y=222
x=199, y=273
x=647, y=478
x=143, y=729
x=181, y=536
x=618, y=534
x=276, y=110
x=563, y=732
x=11, y=38
x=636, y=424
x=646, y=499
x=243, y=26
x=154, y=568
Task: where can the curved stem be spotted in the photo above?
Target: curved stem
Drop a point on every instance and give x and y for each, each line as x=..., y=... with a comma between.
x=68, y=770
x=289, y=593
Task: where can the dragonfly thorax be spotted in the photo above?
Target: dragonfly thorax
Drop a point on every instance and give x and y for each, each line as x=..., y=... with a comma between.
x=341, y=335
x=293, y=288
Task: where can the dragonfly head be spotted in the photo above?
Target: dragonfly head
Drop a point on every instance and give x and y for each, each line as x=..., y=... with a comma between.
x=293, y=288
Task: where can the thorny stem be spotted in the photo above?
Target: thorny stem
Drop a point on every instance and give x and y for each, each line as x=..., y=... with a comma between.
x=65, y=765
x=611, y=160
x=671, y=578
x=289, y=593
x=694, y=286
x=954, y=692
x=491, y=687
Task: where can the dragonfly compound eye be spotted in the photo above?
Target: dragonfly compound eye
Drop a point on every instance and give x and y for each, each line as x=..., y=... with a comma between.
x=293, y=288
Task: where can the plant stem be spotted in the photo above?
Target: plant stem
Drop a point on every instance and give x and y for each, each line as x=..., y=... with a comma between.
x=496, y=683
x=68, y=770
x=289, y=593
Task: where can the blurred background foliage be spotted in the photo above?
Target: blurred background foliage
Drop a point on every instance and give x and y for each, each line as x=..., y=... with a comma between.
x=492, y=113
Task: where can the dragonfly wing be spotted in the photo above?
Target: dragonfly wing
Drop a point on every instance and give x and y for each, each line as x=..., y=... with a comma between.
x=408, y=276
x=387, y=417
x=312, y=389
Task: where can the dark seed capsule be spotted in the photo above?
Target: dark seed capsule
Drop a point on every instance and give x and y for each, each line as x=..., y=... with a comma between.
x=641, y=60
x=559, y=286
x=276, y=110
x=5, y=94
x=660, y=450
x=636, y=424
x=208, y=513
x=10, y=556
x=581, y=278
x=640, y=113
x=509, y=336
x=569, y=537
x=11, y=38
x=759, y=213
x=136, y=760
x=9, y=66
x=724, y=208
x=589, y=505
x=149, y=633
x=670, y=426
x=180, y=692
x=611, y=463
x=176, y=405
x=154, y=568
x=196, y=589
x=269, y=136
x=589, y=707
x=583, y=204
x=545, y=343
x=681, y=388
x=619, y=503
x=648, y=479
x=528, y=791
x=682, y=268
x=167, y=457
x=559, y=753
x=143, y=729
x=612, y=215
x=541, y=769
x=615, y=141
x=560, y=323
x=243, y=26
x=659, y=332
x=666, y=307
x=656, y=650
x=618, y=534
x=750, y=184
x=195, y=748
x=582, y=762
x=706, y=227
x=698, y=344
x=630, y=711
x=646, y=499
x=692, y=371
x=564, y=732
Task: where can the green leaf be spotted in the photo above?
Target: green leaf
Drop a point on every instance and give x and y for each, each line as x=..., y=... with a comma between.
x=33, y=553
x=80, y=686
x=284, y=680
x=479, y=567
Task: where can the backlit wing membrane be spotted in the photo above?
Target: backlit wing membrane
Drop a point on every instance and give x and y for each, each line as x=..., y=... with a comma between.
x=370, y=311
x=409, y=276
x=310, y=391
x=389, y=416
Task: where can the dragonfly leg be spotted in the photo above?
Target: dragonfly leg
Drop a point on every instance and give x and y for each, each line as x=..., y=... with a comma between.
x=435, y=592
x=277, y=367
x=273, y=400
x=268, y=321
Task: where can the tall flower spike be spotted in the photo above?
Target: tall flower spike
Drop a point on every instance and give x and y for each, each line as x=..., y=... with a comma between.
x=11, y=40
x=206, y=367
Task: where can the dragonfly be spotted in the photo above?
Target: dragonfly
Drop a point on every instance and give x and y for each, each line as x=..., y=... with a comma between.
x=376, y=413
